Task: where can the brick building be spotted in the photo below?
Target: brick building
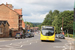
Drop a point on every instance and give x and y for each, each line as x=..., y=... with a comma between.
x=23, y=25
x=34, y=28
x=13, y=16
x=4, y=29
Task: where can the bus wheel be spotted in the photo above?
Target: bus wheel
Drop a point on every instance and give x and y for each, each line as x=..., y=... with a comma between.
x=53, y=41
x=42, y=40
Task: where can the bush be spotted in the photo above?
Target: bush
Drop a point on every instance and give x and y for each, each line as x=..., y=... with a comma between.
x=70, y=35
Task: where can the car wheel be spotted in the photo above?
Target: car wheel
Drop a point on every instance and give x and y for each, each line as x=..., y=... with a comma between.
x=15, y=38
x=18, y=38
x=24, y=37
x=21, y=37
x=29, y=36
x=63, y=38
x=33, y=35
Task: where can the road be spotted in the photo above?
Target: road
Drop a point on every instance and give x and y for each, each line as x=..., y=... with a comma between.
x=34, y=43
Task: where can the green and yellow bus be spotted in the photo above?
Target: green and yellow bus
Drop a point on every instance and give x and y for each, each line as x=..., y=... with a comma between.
x=47, y=33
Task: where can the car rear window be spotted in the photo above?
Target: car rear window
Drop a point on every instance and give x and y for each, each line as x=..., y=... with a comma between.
x=17, y=33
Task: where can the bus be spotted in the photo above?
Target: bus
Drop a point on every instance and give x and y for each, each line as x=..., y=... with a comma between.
x=47, y=33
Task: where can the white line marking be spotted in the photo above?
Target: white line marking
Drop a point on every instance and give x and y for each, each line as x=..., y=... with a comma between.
x=21, y=46
x=70, y=46
x=0, y=48
x=10, y=43
x=64, y=48
x=30, y=43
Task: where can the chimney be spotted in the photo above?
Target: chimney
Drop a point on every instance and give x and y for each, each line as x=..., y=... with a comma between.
x=6, y=4
x=9, y=5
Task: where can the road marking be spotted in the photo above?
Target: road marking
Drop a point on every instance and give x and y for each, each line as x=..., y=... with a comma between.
x=7, y=46
x=0, y=48
x=21, y=46
x=70, y=46
x=30, y=43
x=64, y=48
x=59, y=46
x=10, y=43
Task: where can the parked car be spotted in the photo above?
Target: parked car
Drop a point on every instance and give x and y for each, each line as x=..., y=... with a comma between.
x=57, y=35
x=28, y=35
x=61, y=36
x=32, y=35
x=19, y=35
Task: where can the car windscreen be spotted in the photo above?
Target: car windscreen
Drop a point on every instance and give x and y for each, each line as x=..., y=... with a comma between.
x=61, y=35
x=47, y=31
x=17, y=34
x=27, y=34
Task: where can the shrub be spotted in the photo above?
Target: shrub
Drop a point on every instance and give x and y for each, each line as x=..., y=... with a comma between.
x=70, y=35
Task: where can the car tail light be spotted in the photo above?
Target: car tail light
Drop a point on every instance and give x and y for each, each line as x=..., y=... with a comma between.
x=15, y=34
x=20, y=34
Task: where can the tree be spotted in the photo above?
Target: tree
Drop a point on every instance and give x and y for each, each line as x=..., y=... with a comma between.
x=55, y=19
x=67, y=20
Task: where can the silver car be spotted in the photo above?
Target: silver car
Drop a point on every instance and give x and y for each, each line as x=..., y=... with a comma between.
x=32, y=35
x=57, y=35
x=28, y=35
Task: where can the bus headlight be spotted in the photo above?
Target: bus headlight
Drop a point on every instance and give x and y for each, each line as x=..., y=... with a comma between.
x=41, y=37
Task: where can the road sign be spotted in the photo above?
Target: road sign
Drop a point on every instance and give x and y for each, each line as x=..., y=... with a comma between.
x=61, y=28
x=28, y=30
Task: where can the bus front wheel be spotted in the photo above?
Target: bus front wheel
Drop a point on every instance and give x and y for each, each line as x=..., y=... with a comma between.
x=42, y=40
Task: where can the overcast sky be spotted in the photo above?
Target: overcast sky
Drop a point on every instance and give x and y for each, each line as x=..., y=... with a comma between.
x=36, y=10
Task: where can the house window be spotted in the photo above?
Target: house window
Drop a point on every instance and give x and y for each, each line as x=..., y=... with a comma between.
x=0, y=30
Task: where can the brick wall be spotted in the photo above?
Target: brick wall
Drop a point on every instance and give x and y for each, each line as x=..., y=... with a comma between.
x=6, y=30
x=14, y=33
x=2, y=27
x=9, y=15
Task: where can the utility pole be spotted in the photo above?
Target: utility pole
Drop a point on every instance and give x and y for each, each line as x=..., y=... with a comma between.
x=62, y=24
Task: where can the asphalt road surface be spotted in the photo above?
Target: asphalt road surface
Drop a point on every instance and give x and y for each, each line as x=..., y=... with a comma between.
x=34, y=43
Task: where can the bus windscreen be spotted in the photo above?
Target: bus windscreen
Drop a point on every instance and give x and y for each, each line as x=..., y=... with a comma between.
x=48, y=31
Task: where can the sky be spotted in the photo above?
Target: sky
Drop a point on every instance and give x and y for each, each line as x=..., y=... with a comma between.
x=36, y=10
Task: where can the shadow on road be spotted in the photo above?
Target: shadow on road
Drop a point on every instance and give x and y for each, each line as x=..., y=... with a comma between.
x=56, y=40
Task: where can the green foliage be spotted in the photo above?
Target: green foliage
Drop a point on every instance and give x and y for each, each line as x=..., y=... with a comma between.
x=36, y=24
x=31, y=25
x=70, y=35
x=55, y=19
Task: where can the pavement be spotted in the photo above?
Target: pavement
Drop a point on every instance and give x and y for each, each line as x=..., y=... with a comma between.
x=34, y=43
x=71, y=42
x=6, y=39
